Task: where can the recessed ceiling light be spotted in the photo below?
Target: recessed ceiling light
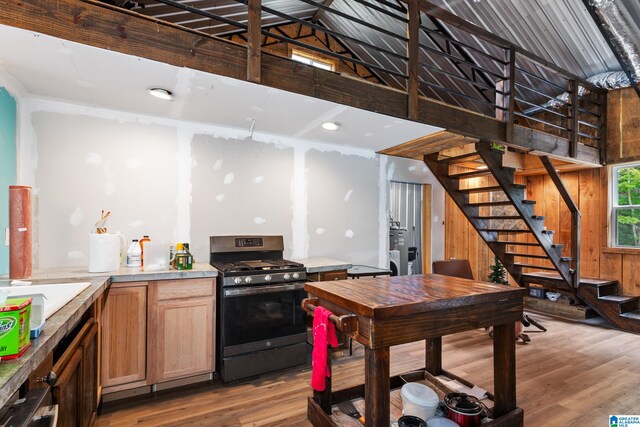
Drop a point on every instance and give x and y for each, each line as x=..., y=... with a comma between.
x=160, y=93
x=330, y=126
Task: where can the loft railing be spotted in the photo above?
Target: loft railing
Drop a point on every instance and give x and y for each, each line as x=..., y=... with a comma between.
x=409, y=45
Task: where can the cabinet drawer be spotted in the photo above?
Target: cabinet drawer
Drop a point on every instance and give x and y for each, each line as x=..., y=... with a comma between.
x=184, y=288
x=333, y=275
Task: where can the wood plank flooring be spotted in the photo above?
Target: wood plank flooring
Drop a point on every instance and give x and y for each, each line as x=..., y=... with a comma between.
x=575, y=374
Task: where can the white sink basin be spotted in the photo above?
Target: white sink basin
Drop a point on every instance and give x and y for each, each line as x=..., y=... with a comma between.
x=56, y=295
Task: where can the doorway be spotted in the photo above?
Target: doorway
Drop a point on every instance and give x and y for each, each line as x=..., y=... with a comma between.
x=409, y=228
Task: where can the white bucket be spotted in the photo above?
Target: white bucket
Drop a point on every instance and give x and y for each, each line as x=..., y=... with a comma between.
x=105, y=252
x=419, y=400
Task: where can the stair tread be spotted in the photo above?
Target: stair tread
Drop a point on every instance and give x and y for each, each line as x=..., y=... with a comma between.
x=527, y=255
x=460, y=158
x=500, y=203
x=631, y=314
x=504, y=230
x=472, y=174
x=619, y=298
x=541, y=267
x=555, y=276
x=489, y=189
x=490, y=217
x=538, y=217
x=505, y=242
x=548, y=231
x=529, y=202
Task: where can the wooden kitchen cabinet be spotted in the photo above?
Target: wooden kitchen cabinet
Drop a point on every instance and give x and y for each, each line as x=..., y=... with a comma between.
x=157, y=331
x=124, y=337
x=74, y=379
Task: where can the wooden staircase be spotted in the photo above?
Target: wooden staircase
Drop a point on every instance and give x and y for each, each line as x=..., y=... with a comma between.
x=506, y=221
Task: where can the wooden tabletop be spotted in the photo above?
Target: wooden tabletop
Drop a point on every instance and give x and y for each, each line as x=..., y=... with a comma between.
x=388, y=297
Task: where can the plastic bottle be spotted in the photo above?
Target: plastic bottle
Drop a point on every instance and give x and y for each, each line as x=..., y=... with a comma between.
x=189, y=256
x=134, y=254
x=144, y=240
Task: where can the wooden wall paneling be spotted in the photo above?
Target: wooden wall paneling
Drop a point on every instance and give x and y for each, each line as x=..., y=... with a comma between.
x=611, y=266
x=589, y=205
x=623, y=126
x=630, y=277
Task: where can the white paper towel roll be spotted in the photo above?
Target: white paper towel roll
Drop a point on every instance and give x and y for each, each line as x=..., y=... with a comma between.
x=105, y=252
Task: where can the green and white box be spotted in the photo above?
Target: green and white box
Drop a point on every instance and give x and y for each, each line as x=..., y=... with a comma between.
x=15, y=318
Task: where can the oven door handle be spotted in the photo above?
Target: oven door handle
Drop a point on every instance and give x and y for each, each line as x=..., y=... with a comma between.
x=260, y=290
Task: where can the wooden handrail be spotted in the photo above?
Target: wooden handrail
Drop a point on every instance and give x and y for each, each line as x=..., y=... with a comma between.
x=575, y=218
x=346, y=324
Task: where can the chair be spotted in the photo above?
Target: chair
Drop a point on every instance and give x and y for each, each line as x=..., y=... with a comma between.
x=454, y=268
x=462, y=269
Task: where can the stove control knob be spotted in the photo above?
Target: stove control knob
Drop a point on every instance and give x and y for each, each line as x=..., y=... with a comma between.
x=237, y=280
x=286, y=276
x=267, y=278
x=248, y=279
x=296, y=276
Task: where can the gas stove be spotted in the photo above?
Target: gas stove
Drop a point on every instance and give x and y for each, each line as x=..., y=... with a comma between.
x=253, y=260
x=261, y=325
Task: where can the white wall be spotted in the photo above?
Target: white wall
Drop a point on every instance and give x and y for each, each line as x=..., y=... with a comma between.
x=182, y=181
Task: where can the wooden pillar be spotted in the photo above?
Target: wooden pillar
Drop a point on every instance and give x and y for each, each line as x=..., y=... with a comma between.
x=254, y=36
x=573, y=117
x=377, y=387
x=433, y=356
x=504, y=369
x=413, y=63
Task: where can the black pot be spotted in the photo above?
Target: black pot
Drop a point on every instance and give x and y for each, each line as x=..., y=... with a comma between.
x=411, y=421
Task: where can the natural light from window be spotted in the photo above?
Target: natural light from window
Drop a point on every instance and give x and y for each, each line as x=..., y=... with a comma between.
x=625, y=209
x=313, y=60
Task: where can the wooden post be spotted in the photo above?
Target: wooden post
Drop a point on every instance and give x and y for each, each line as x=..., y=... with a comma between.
x=504, y=369
x=573, y=117
x=602, y=125
x=413, y=63
x=254, y=36
x=376, y=387
x=433, y=356
x=511, y=93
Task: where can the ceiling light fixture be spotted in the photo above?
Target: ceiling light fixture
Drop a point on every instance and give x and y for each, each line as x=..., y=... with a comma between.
x=160, y=93
x=481, y=168
x=330, y=126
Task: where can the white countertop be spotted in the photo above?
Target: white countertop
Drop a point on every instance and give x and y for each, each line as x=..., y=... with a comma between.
x=318, y=265
x=124, y=274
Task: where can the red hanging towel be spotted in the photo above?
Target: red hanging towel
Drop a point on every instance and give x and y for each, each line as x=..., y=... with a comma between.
x=324, y=333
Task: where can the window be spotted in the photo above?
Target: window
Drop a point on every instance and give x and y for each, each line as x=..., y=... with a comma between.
x=313, y=60
x=625, y=209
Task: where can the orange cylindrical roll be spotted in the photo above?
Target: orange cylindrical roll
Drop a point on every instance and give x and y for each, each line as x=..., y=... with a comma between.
x=19, y=232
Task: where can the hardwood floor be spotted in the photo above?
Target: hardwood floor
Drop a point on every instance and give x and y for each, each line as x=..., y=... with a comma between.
x=573, y=375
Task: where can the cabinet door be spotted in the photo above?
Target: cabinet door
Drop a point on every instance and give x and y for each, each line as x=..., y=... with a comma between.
x=89, y=376
x=184, y=338
x=67, y=392
x=333, y=275
x=124, y=335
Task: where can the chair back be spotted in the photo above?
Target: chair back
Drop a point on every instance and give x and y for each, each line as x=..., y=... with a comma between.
x=454, y=267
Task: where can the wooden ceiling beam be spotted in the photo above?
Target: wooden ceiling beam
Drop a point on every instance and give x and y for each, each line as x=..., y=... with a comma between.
x=320, y=12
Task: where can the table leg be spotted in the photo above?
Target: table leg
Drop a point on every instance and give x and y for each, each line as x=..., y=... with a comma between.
x=433, y=355
x=504, y=368
x=376, y=387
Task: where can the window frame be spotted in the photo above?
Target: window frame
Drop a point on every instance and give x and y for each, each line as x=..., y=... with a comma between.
x=614, y=207
x=314, y=59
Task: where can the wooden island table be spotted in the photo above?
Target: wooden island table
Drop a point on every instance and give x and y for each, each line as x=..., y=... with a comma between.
x=387, y=311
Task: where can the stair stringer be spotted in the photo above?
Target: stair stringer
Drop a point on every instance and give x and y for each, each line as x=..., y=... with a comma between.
x=505, y=180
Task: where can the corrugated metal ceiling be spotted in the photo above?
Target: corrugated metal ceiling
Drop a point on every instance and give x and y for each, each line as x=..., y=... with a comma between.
x=560, y=31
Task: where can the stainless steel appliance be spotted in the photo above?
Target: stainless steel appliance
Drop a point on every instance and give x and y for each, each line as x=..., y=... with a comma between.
x=261, y=326
x=397, y=243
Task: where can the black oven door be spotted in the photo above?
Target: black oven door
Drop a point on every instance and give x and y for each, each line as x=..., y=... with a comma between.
x=262, y=317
